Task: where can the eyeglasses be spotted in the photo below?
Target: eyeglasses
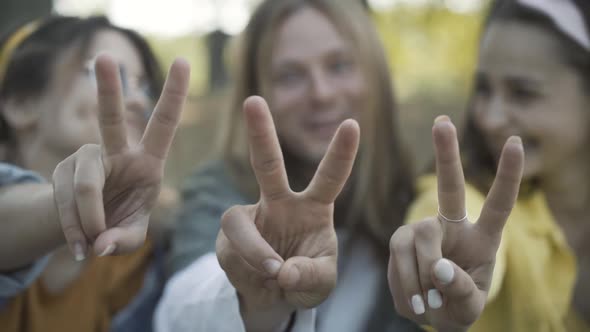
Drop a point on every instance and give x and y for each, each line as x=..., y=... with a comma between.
x=129, y=83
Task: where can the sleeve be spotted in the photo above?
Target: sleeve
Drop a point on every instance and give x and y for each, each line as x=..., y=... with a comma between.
x=201, y=298
x=208, y=194
x=11, y=175
x=426, y=205
x=14, y=282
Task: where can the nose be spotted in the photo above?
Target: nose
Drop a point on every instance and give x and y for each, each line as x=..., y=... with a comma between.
x=322, y=89
x=496, y=116
x=138, y=104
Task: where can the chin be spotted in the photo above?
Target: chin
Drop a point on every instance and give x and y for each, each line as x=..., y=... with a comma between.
x=530, y=171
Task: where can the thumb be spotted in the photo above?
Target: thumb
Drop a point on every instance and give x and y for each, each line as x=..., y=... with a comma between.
x=120, y=240
x=314, y=276
x=239, y=228
x=460, y=294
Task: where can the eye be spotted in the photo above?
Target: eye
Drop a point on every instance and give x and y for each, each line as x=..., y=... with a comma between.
x=289, y=76
x=482, y=88
x=523, y=95
x=340, y=66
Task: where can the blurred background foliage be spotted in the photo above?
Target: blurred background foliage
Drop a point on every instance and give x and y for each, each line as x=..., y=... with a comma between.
x=431, y=46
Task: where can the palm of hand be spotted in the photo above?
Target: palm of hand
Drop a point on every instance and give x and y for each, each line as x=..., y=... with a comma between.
x=440, y=269
x=104, y=194
x=284, y=247
x=131, y=188
x=303, y=228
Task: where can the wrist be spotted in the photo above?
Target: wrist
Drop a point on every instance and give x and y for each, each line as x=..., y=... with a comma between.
x=275, y=317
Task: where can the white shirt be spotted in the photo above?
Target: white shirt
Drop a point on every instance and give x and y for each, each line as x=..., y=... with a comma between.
x=201, y=298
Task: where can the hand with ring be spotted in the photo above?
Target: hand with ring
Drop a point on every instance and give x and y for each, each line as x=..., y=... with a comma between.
x=440, y=269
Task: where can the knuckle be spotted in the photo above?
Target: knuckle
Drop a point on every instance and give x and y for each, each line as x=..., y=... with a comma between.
x=330, y=178
x=269, y=166
x=401, y=240
x=230, y=216
x=426, y=230
x=168, y=119
x=86, y=188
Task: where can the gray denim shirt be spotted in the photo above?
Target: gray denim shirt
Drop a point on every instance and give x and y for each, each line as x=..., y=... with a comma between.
x=12, y=283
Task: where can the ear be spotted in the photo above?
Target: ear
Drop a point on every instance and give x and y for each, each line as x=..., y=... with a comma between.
x=19, y=115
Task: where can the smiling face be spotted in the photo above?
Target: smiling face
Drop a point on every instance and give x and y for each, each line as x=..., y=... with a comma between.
x=524, y=89
x=314, y=83
x=69, y=103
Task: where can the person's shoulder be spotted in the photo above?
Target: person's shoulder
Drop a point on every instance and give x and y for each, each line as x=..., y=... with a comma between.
x=211, y=185
x=212, y=175
x=11, y=174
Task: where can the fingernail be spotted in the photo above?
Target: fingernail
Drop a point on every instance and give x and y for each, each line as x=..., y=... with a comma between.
x=515, y=139
x=434, y=299
x=293, y=276
x=109, y=250
x=441, y=118
x=443, y=271
x=79, y=252
x=418, y=304
x=272, y=266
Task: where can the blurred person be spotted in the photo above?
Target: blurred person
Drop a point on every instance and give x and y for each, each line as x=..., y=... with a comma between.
x=57, y=95
x=317, y=63
x=533, y=80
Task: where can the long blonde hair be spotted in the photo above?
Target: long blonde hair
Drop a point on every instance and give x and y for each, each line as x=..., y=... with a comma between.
x=382, y=183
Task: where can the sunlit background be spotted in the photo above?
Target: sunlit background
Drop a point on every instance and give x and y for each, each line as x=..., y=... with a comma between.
x=431, y=46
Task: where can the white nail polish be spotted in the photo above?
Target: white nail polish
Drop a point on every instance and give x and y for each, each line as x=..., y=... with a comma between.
x=443, y=271
x=418, y=304
x=78, y=252
x=108, y=250
x=272, y=266
x=434, y=299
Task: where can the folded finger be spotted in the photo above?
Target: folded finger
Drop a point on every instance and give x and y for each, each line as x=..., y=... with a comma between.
x=63, y=187
x=239, y=228
x=88, y=185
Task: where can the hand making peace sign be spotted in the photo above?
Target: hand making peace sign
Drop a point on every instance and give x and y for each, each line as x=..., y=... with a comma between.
x=104, y=194
x=284, y=249
x=440, y=269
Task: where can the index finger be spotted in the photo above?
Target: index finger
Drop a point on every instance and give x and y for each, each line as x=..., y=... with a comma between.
x=110, y=105
x=504, y=191
x=162, y=125
x=449, y=172
x=336, y=165
x=265, y=151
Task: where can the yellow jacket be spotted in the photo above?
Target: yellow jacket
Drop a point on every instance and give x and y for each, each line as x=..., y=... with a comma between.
x=535, y=268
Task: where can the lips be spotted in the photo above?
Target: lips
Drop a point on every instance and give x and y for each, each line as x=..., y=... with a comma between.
x=322, y=129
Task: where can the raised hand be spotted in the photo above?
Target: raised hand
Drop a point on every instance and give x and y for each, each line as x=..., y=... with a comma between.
x=104, y=194
x=440, y=269
x=283, y=249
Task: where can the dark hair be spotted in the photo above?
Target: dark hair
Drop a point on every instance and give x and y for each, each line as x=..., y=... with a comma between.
x=30, y=67
x=478, y=160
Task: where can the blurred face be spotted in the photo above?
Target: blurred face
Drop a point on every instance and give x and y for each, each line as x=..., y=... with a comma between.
x=69, y=119
x=315, y=83
x=524, y=89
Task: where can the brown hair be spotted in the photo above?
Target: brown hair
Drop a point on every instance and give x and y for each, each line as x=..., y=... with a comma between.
x=31, y=65
x=382, y=183
x=478, y=160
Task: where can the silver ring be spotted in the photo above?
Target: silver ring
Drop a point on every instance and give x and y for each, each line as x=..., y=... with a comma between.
x=442, y=218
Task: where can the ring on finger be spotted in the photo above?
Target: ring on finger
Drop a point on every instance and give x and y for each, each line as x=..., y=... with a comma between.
x=442, y=218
